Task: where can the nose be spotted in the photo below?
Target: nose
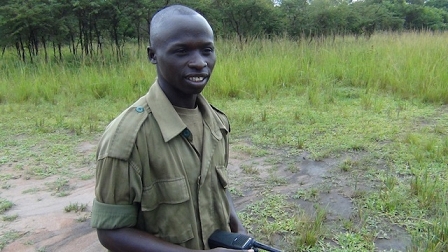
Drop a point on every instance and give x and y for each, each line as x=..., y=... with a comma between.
x=197, y=61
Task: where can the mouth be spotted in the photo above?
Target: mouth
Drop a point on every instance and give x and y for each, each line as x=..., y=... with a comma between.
x=196, y=78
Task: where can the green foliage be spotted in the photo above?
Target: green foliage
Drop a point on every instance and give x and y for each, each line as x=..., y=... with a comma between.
x=246, y=18
x=5, y=205
x=10, y=218
x=75, y=207
x=9, y=236
x=91, y=29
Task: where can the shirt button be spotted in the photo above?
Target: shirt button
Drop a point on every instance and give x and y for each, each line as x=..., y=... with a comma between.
x=186, y=133
x=139, y=109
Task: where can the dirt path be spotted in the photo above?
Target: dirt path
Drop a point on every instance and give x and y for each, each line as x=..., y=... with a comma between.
x=43, y=224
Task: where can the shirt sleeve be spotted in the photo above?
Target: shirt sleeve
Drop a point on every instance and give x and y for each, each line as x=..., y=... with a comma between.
x=118, y=194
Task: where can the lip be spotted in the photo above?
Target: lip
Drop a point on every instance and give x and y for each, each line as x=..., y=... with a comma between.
x=197, y=78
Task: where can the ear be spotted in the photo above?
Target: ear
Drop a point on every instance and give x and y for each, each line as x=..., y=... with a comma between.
x=151, y=55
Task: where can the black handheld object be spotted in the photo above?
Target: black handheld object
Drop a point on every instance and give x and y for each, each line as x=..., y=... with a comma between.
x=223, y=239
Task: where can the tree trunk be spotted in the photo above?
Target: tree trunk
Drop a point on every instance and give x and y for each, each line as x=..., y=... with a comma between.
x=18, y=49
x=91, y=37
x=72, y=38
x=80, y=35
x=98, y=39
x=30, y=51
x=54, y=49
x=44, y=44
x=60, y=51
x=33, y=44
x=22, y=49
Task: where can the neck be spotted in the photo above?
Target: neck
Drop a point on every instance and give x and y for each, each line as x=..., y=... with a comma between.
x=184, y=103
x=179, y=99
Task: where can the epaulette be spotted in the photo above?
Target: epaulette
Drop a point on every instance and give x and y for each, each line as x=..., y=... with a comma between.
x=119, y=138
x=222, y=117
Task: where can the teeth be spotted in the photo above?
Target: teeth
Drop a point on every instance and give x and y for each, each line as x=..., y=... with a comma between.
x=196, y=79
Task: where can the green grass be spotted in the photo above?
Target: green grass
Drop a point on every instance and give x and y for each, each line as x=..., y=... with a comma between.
x=60, y=187
x=75, y=207
x=5, y=205
x=7, y=237
x=10, y=218
x=382, y=100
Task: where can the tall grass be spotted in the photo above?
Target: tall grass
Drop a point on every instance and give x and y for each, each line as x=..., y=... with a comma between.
x=412, y=65
x=75, y=80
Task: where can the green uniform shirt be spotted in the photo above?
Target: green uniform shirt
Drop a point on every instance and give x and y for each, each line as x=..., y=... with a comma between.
x=143, y=168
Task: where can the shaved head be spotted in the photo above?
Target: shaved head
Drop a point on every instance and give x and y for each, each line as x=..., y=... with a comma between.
x=162, y=17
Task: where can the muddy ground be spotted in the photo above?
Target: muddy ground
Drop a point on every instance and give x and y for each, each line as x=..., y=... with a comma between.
x=44, y=225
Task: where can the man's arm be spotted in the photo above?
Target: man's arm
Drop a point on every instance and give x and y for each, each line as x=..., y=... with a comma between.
x=131, y=239
x=235, y=223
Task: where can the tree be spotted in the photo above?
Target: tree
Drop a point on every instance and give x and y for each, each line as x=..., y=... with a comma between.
x=247, y=18
x=439, y=4
x=88, y=26
x=423, y=17
x=294, y=16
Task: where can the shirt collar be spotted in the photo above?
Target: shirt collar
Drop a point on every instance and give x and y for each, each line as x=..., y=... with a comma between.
x=170, y=123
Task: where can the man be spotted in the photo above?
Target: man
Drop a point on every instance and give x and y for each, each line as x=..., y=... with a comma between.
x=162, y=164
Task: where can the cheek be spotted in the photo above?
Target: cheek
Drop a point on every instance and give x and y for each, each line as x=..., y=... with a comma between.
x=211, y=63
x=167, y=67
x=211, y=66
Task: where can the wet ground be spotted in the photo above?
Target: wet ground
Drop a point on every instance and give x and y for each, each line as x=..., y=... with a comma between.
x=44, y=225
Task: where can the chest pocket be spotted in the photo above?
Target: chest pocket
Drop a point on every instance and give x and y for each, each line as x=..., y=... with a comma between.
x=166, y=208
x=172, y=191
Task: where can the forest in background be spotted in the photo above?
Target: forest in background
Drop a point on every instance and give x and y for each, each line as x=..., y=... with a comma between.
x=88, y=27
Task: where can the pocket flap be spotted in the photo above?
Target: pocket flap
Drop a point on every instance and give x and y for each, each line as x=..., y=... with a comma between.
x=222, y=175
x=171, y=191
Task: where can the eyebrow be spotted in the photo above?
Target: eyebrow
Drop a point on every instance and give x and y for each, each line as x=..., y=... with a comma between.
x=180, y=44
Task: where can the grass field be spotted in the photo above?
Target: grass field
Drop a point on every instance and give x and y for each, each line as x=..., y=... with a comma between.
x=384, y=98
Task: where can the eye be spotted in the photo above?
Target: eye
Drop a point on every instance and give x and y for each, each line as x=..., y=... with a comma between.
x=208, y=50
x=180, y=51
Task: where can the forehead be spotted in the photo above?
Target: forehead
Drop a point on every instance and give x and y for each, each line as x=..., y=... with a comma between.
x=175, y=28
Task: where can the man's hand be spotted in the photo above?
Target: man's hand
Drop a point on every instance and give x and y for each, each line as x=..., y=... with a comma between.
x=229, y=250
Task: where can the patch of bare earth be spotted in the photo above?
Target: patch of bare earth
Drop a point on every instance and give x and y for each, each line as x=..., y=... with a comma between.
x=44, y=225
x=42, y=222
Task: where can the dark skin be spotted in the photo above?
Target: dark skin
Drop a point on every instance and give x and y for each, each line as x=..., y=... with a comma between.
x=183, y=52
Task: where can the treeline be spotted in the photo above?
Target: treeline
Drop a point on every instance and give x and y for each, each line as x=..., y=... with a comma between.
x=86, y=27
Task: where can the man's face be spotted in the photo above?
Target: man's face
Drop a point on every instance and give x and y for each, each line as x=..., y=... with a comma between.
x=183, y=51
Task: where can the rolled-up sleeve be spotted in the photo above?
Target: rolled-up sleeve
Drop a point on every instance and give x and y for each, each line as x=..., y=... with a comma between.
x=109, y=216
x=118, y=194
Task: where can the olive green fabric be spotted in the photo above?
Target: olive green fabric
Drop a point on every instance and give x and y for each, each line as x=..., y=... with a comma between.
x=113, y=216
x=146, y=162
x=193, y=119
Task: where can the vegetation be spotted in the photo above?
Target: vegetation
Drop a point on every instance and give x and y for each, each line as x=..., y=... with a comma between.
x=7, y=237
x=5, y=205
x=75, y=207
x=88, y=28
x=10, y=217
x=382, y=100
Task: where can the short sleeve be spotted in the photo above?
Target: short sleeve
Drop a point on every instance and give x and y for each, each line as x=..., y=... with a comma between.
x=109, y=216
x=118, y=193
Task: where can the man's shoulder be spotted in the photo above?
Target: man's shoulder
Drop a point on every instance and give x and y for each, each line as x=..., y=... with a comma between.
x=119, y=137
x=217, y=110
x=222, y=116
